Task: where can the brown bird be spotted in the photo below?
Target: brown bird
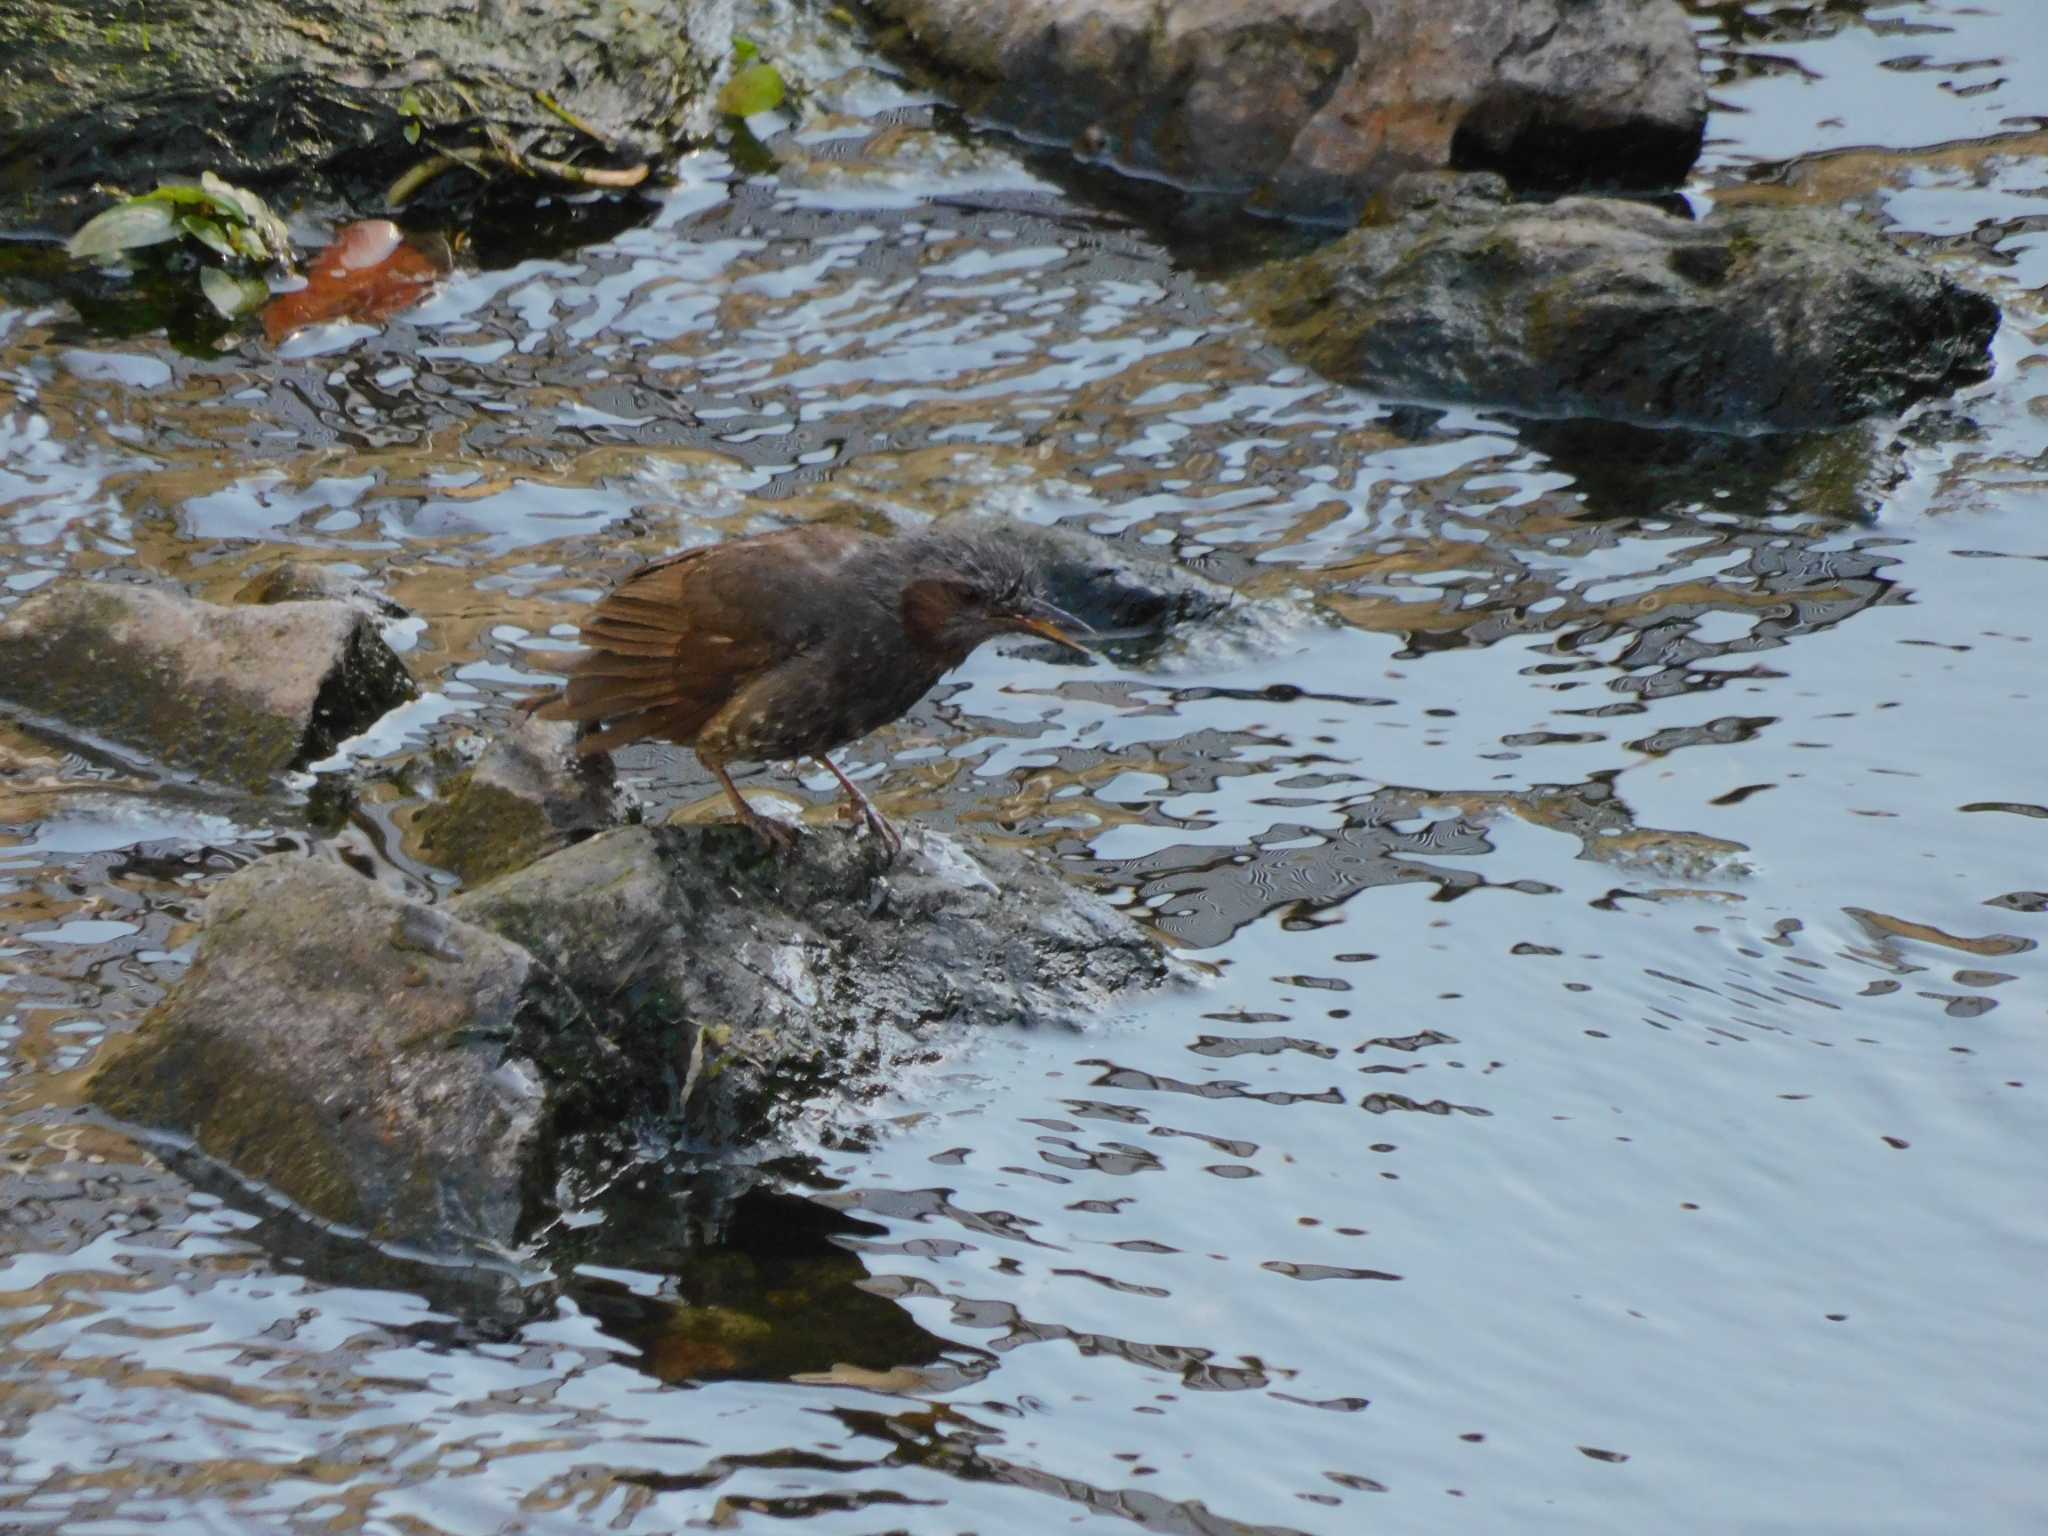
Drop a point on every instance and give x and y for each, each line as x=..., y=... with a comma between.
x=792, y=644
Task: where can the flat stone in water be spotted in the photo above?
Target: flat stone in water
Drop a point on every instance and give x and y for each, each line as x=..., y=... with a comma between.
x=527, y=795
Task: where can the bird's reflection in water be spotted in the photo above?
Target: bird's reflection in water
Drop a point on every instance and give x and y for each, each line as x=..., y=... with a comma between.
x=704, y=1285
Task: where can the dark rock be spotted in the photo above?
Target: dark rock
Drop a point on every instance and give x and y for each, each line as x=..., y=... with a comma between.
x=1307, y=107
x=361, y=1054
x=1757, y=318
x=455, y=1078
x=1147, y=610
x=791, y=978
x=236, y=695
x=526, y=795
x=1115, y=590
x=94, y=92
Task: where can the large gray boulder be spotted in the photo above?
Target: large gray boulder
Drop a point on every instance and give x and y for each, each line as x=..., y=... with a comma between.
x=1753, y=318
x=236, y=695
x=1307, y=107
x=457, y=1078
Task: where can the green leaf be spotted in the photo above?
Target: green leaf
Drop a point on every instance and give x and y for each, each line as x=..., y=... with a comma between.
x=409, y=103
x=188, y=193
x=757, y=88
x=236, y=202
x=412, y=130
x=125, y=227
x=745, y=50
x=209, y=234
x=250, y=243
x=258, y=233
x=233, y=296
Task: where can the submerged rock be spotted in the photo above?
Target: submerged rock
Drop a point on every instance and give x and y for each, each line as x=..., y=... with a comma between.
x=456, y=1078
x=236, y=695
x=296, y=581
x=1307, y=107
x=1147, y=610
x=527, y=794
x=1758, y=318
x=1115, y=591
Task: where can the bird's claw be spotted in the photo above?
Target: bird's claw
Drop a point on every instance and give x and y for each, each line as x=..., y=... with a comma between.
x=889, y=837
x=775, y=836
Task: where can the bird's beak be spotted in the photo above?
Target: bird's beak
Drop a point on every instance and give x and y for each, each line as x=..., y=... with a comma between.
x=1050, y=623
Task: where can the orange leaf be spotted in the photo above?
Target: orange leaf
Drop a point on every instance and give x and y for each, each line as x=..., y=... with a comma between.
x=369, y=272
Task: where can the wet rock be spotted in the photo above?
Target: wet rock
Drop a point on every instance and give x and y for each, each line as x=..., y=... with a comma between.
x=1774, y=318
x=370, y=1058
x=455, y=1077
x=1147, y=610
x=815, y=973
x=527, y=794
x=1115, y=590
x=1306, y=107
x=93, y=94
x=236, y=695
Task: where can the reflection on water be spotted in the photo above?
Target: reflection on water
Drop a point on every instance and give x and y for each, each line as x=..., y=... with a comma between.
x=1615, y=859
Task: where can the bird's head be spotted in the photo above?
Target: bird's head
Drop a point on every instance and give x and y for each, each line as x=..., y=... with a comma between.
x=963, y=589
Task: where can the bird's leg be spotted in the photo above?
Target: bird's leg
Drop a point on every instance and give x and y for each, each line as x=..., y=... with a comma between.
x=877, y=822
x=776, y=835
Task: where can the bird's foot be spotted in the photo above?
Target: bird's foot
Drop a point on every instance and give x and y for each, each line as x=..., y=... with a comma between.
x=858, y=803
x=890, y=839
x=776, y=836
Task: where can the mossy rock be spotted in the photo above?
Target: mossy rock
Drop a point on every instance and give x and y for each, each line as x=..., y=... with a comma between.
x=330, y=102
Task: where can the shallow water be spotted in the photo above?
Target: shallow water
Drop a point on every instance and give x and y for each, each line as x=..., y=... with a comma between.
x=1614, y=1099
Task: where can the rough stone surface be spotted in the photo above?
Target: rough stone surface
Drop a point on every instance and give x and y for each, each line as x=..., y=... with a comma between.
x=357, y=1052
x=317, y=102
x=812, y=974
x=526, y=795
x=1757, y=318
x=236, y=695
x=1306, y=107
x=453, y=1078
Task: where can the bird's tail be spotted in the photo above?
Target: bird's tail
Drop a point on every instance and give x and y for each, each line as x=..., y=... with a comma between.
x=646, y=671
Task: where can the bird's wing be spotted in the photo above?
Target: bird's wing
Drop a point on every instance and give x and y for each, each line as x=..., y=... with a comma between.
x=677, y=639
